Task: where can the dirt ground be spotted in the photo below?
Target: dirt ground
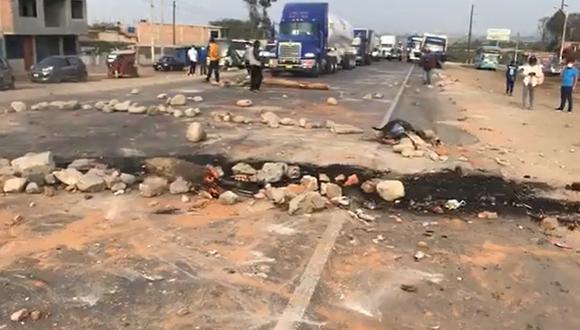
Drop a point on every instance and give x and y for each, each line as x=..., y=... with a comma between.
x=538, y=145
x=100, y=261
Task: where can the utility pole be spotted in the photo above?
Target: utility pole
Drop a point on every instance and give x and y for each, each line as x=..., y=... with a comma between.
x=564, y=34
x=470, y=33
x=563, y=5
x=151, y=31
x=517, y=48
x=174, y=5
x=161, y=27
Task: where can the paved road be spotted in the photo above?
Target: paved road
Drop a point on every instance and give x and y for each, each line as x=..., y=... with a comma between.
x=94, y=134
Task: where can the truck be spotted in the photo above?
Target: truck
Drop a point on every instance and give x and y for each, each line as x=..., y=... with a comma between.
x=436, y=44
x=388, y=44
x=414, y=48
x=313, y=41
x=365, y=43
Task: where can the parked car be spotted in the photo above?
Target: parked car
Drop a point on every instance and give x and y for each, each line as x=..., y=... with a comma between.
x=6, y=75
x=59, y=69
x=169, y=63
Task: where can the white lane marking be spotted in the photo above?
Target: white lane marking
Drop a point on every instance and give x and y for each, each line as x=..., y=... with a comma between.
x=397, y=98
x=300, y=300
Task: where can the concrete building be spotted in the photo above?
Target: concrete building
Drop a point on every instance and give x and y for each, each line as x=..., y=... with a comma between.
x=34, y=29
x=185, y=35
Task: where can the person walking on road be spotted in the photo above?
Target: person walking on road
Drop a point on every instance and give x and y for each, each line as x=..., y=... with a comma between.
x=569, y=79
x=253, y=58
x=192, y=55
x=511, y=75
x=202, y=61
x=428, y=63
x=533, y=77
x=214, y=60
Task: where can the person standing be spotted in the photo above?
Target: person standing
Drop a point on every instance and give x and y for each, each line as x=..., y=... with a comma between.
x=569, y=79
x=202, y=61
x=510, y=76
x=428, y=63
x=214, y=60
x=193, y=57
x=533, y=77
x=253, y=58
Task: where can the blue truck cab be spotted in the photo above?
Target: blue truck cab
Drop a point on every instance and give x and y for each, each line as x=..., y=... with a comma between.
x=303, y=40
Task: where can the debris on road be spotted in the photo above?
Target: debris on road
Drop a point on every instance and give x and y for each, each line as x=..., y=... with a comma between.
x=178, y=100
x=409, y=288
x=153, y=186
x=229, y=198
x=195, y=132
x=18, y=106
x=454, y=204
x=286, y=83
x=244, y=103
x=332, y=101
x=306, y=203
x=391, y=190
x=487, y=215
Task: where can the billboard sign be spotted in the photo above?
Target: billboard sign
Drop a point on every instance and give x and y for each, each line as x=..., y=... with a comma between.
x=498, y=34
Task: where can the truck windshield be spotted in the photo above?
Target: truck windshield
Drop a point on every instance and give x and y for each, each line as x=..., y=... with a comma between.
x=296, y=29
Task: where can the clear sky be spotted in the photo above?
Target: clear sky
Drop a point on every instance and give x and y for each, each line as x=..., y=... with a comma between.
x=385, y=16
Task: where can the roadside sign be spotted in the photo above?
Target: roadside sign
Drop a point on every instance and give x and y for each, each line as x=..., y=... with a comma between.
x=498, y=34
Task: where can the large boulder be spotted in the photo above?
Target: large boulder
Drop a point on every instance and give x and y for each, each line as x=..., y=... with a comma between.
x=244, y=103
x=92, y=183
x=229, y=198
x=309, y=183
x=178, y=100
x=18, y=106
x=271, y=119
x=128, y=179
x=69, y=177
x=33, y=188
x=173, y=168
x=244, y=169
x=331, y=190
x=137, y=109
x=307, y=203
x=153, y=186
x=191, y=112
x=14, y=185
x=195, y=132
x=179, y=186
x=33, y=164
x=276, y=195
x=122, y=106
x=40, y=106
x=84, y=164
x=332, y=101
x=345, y=129
x=272, y=172
x=391, y=190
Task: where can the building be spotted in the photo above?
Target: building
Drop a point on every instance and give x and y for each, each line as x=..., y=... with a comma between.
x=118, y=34
x=161, y=35
x=34, y=29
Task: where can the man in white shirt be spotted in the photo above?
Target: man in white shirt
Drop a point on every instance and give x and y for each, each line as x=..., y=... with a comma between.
x=533, y=76
x=192, y=55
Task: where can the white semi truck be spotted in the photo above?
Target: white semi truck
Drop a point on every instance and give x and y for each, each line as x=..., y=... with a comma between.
x=388, y=44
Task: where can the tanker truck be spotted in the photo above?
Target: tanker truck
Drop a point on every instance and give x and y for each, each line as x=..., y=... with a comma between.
x=313, y=41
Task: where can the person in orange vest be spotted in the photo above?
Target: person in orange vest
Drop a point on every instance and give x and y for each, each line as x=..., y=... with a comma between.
x=214, y=60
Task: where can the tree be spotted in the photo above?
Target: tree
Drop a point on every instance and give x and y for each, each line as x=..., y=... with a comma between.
x=258, y=14
x=238, y=29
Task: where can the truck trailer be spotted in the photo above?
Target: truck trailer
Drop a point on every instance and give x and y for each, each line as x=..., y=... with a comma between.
x=313, y=41
x=365, y=44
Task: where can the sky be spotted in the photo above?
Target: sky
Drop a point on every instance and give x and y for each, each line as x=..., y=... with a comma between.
x=385, y=16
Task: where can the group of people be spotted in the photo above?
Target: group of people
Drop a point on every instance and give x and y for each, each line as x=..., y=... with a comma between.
x=212, y=52
x=199, y=57
x=533, y=76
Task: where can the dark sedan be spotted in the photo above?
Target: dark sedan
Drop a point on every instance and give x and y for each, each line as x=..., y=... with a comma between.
x=169, y=63
x=59, y=69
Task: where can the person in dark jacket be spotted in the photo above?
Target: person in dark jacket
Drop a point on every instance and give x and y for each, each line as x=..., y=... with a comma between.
x=202, y=61
x=253, y=59
x=428, y=63
x=510, y=76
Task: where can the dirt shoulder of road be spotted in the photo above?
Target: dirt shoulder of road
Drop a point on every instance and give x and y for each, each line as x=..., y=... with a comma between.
x=540, y=145
x=26, y=90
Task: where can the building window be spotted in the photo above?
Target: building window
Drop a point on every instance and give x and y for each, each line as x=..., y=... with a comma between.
x=27, y=8
x=14, y=47
x=77, y=9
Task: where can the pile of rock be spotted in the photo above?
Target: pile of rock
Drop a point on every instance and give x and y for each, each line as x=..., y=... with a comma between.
x=413, y=146
x=34, y=173
x=272, y=120
x=310, y=194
